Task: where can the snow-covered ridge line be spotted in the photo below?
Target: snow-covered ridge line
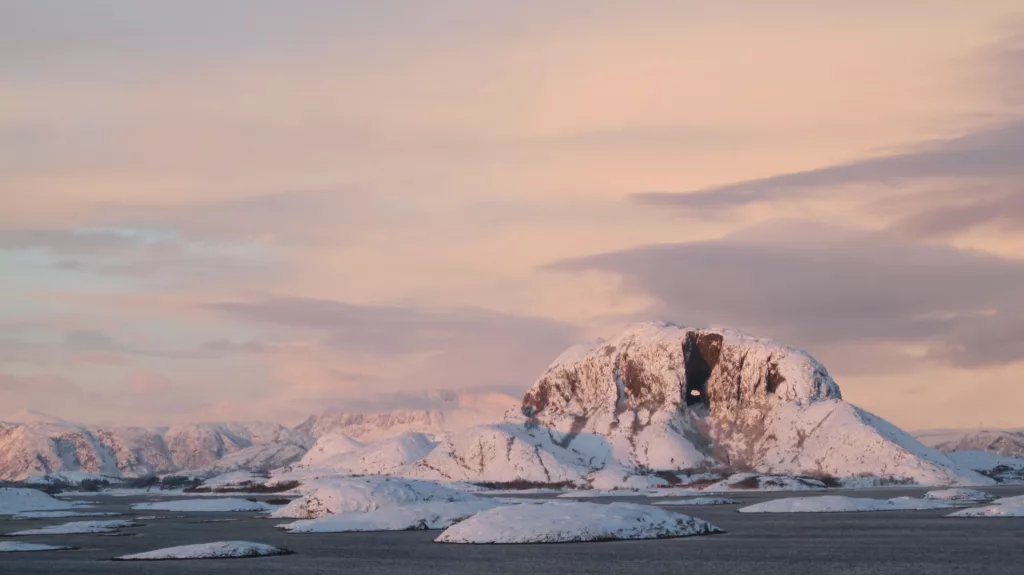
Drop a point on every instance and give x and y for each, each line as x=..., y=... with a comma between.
x=77, y=451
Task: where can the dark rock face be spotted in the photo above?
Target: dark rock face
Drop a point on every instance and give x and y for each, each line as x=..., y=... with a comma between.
x=701, y=352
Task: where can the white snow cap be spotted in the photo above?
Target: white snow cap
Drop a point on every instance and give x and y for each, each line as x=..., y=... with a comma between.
x=565, y=521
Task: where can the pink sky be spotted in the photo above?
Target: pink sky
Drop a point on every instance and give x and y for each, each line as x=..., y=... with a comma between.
x=259, y=211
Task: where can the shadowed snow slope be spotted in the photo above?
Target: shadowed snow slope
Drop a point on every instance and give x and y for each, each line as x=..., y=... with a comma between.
x=340, y=495
x=16, y=500
x=665, y=397
x=842, y=504
x=412, y=517
x=327, y=449
x=564, y=521
x=216, y=550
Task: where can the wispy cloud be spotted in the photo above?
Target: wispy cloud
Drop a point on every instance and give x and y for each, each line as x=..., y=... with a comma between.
x=814, y=285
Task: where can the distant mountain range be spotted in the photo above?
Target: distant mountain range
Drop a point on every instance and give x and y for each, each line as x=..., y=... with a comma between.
x=657, y=398
x=1007, y=442
x=39, y=445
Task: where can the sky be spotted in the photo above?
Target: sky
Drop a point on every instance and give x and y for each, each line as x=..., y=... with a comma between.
x=259, y=209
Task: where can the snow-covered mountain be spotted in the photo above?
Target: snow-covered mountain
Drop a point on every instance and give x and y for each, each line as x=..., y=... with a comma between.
x=657, y=398
x=45, y=445
x=1006, y=442
x=663, y=397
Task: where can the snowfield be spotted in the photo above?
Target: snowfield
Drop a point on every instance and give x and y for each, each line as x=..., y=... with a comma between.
x=415, y=517
x=700, y=501
x=77, y=528
x=216, y=550
x=959, y=495
x=18, y=547
x=1005, y=507
x=842, y=504
x=565, y=521
x=14, y=500
x=210, y=505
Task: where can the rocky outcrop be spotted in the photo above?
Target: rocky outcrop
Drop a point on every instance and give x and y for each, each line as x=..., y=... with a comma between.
x=670, y=397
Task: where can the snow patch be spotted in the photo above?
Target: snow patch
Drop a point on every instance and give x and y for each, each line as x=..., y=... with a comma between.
x=842, y=504
x=959, y=494
x=1005, y=507
x=18, y=547
x=216, y=550
x=77, y=528
x=565, y=521
x=16, y=500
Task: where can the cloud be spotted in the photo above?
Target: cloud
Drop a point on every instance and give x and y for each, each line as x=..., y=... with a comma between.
x=146, y=253
x=101, y=358
x=972, y=180
x=993, y=152
x=49, y=393
x=262, y=218
x=815, y=286
x=81, y=242
x=454, y=347
x=88, y=340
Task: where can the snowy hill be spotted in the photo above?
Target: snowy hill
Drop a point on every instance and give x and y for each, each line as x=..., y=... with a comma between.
x=46, y=445
x=662, y=397
x=339, y=453
x=1007, y=442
